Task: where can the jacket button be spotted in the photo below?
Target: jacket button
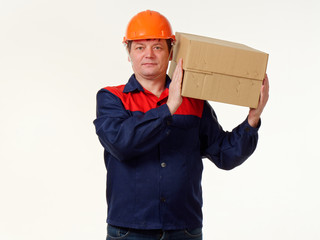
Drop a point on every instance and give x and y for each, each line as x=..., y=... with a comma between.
x=163, y=164
x=162, y=199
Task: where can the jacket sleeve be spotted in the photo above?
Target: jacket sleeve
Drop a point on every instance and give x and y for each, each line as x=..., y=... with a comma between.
x=226, y=150
x=124, y=134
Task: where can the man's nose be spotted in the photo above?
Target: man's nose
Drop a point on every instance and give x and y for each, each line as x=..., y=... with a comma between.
x=149, y=52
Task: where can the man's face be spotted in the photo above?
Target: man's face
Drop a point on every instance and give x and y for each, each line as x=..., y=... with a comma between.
x=149, y=58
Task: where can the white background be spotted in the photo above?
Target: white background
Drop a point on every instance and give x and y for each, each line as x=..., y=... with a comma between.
x=55, y=56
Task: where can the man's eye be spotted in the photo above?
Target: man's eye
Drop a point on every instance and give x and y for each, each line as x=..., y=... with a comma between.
x=157, y=48
x=139, y=48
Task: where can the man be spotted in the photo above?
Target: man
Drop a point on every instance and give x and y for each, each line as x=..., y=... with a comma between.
x=155, y=140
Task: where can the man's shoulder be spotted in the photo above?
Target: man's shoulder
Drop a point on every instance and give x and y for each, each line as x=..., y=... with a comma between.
x=118, y=88
x=115, y=90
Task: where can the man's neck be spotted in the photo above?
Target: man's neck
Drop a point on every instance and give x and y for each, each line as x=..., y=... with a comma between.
x=155, y=85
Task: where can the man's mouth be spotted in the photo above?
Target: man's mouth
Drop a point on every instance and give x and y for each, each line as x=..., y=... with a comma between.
x=148, y=64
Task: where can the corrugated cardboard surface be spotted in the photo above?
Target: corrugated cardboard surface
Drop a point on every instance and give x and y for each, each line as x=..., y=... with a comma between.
x=219, y=70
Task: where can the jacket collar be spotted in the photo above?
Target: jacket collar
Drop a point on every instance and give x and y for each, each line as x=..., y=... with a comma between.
x=134, y=85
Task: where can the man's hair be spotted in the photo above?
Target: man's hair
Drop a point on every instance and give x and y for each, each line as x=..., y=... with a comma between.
x=169, y=43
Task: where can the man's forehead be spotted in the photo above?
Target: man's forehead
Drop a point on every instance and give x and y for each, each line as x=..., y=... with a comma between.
x=142, y=41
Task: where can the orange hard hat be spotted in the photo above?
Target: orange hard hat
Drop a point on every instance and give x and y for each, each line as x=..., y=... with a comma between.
x=148, y=25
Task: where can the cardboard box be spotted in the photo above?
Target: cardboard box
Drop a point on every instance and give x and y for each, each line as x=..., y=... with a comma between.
x=219, y=70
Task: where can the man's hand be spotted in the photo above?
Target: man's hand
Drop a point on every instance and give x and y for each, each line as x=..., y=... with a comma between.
x=255, y=113
x=175, y=99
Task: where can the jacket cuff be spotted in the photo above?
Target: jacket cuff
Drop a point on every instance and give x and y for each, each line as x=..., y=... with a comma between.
x=164, y=113
x=248, y=128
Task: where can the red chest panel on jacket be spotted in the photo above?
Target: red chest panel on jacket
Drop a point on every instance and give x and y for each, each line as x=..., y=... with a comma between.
x=144, y=101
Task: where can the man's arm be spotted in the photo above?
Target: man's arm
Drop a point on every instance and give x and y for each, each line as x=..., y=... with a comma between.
x=230, y=149
x=226, y=150
x=124, y=134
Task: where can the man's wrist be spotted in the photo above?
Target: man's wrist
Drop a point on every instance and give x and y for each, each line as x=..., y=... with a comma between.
x=254, y=121
x=171, y=108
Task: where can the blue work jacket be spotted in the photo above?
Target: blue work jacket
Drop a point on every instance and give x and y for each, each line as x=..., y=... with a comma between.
x=154, y=160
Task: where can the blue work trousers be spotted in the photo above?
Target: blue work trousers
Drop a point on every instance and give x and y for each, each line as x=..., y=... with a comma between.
x=116, y=233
